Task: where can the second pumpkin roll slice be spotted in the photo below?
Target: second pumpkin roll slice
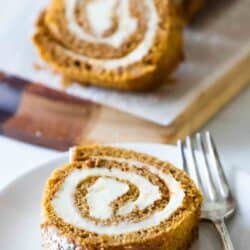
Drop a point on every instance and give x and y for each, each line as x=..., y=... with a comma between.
x=125, y=44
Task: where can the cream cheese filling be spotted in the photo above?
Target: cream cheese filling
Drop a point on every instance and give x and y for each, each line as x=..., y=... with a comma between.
x=100, y=22
x=104, y=191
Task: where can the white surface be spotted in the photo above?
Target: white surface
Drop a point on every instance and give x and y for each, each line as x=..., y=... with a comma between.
x=20, y=207
x=221, y=37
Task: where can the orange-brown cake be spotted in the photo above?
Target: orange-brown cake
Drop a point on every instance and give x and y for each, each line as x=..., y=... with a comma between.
x=121, y=44
x=111, y=199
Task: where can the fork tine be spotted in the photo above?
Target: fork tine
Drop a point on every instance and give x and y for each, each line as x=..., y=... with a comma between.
x=195, y=174
x=183, y=157
x=211, y=190
x=222, y=181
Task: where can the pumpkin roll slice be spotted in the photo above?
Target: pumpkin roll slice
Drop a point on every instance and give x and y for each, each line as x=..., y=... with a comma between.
x=109, y=198
x=121, y=44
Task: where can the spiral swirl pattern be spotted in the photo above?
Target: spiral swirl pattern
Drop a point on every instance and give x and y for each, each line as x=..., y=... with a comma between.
x=110, y=184
x=126, y=26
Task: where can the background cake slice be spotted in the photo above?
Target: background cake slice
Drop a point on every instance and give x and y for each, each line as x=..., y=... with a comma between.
x=110, y=198
x=126, y=44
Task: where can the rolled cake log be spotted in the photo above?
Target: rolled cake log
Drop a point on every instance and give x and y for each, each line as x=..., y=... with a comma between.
x=121, y=44
x=111, y=199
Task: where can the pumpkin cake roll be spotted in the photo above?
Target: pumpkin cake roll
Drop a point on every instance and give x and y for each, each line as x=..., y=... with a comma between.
x=109, y=198
x=121, y=44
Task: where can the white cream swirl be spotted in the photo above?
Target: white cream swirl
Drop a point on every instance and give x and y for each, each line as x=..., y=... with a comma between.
x=107, y=189
x=99, y=14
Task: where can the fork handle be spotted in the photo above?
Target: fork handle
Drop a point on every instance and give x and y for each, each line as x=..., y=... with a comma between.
x=224, y=234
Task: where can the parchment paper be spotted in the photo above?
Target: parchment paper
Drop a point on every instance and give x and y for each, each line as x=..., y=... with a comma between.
x=218, y=37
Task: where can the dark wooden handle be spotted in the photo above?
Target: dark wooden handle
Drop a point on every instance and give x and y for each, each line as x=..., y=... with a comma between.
x=39, y=115
x=11, y=89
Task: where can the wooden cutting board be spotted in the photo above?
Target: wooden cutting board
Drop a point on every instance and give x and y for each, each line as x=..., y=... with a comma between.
x=43, y=116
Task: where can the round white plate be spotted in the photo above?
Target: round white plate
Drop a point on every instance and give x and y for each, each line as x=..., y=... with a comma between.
x=20, y=203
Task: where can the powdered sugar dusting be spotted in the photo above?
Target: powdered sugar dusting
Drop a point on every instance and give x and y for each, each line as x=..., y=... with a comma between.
x=52, y=240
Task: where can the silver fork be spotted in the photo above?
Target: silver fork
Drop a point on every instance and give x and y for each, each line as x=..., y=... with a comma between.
x=201, y=161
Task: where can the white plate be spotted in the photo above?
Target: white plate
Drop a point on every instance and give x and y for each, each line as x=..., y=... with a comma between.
x=20, y=203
